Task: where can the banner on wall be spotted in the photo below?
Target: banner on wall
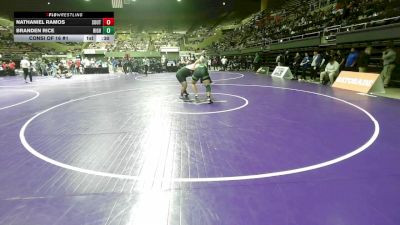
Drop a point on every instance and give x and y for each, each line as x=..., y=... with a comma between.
x=169, y=49
x=94, y=51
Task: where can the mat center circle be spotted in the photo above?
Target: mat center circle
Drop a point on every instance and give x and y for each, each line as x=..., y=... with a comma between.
x=222, y=103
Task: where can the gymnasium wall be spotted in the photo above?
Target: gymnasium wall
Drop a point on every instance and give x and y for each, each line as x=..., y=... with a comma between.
x=386, y=32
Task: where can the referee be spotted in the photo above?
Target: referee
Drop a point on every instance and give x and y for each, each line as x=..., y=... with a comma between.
x=25, y=65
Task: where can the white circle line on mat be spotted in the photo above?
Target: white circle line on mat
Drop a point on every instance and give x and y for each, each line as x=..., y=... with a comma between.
x=353, y=153
x=71, y=82
x=22, y=102
x=246, y=102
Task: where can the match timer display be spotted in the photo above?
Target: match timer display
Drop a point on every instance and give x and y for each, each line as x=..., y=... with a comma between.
x=64, y=26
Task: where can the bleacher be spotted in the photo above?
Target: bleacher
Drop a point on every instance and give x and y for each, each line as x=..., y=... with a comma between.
x=296, y=18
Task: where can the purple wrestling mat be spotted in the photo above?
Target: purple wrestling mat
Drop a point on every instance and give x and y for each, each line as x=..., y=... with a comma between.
x=124, y=149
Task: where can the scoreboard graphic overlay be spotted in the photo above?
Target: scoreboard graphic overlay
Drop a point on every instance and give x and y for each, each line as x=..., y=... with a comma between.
x=64, y=26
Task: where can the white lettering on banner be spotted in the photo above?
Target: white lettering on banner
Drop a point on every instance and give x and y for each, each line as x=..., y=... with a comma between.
x=89, y=51
x=355, y=81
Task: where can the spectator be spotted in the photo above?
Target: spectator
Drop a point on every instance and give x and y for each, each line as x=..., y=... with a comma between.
x=4, y=66
x=351, y=60
x=11, y=67
x=146, y=63
x=296, y=65
x=315, y=65
x=340, y=59
x=215, y=63
x=114, y=63
x=53, y=69
x=2, y=72
x=243, y=64
x=286, y=59
x=265, y=26
x=325, y=59
x=43, y=68
x=72, y=68
x=280, y=60
x=363, y=60
x=248, y=62
x=224, y=62
x=331, y=71
x=257, y=61
x=389, y=59
x=164, y=62
x=87, y=63
x=305, y=64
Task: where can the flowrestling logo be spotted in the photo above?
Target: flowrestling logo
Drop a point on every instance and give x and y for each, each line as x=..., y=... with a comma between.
x=64, y=15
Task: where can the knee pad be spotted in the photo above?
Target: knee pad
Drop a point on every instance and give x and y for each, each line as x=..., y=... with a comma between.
x=208, y=88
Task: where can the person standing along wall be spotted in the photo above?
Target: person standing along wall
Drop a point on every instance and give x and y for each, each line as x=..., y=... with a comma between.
x=363, y=60
x=389, y=59
x=296, y=65
x=257, y=62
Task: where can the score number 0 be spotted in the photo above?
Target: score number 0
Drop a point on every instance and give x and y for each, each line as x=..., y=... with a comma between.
x=108, y=21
